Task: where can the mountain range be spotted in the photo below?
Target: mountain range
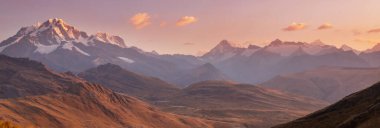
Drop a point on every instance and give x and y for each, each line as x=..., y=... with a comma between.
x=56, y=44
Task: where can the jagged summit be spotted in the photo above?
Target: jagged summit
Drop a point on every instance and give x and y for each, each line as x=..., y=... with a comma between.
x=55, y=35
x=57, y=31
x=276, y=42
x=105, y=37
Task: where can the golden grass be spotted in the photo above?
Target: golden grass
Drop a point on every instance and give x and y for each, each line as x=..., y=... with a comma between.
x=7, y=124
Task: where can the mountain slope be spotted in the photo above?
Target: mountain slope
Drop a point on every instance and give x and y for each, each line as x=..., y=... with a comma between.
x=238, y=105
x=63, y=100
x=326, y=83
x=121, y=80
x=358, y=110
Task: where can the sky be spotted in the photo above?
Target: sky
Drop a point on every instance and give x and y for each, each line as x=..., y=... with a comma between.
x=196, y=26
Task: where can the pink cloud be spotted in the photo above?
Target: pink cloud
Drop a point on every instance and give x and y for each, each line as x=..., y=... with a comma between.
x=325, y=26
x=377, y=30
x=186, y=20
x=140, y=20
x=295, y=26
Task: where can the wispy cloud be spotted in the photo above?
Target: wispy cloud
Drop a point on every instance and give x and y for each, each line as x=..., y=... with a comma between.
x=295, y=26
x=356, y=32
x=140, y=20
x=186, y=20
x=377, y=30
x=188, y=43
x=325, y=26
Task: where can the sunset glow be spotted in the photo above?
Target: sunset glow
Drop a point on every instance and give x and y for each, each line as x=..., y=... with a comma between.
x=165, y=26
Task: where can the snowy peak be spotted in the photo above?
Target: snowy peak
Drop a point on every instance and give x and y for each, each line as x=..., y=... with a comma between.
x=223, y=47
x=56, y=31
x=51, y=32
x=345, y=47
x=224, y=44
x=55, y=34
x=105, y=37
x=223, y=51
x=290, y=48
x=275, y=42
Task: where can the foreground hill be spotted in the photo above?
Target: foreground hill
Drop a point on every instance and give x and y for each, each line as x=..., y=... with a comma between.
x=239, y=105
x=120, y=80
x=358, y=110
x=62, y=100
x=326, y=83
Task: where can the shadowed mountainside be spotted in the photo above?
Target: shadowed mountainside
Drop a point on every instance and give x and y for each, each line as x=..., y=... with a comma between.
x=358, y=110
x=326, y=83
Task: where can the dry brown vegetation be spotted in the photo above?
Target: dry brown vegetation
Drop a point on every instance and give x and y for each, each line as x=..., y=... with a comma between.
x=7, y=124
x=41, y=98
x=358, y=110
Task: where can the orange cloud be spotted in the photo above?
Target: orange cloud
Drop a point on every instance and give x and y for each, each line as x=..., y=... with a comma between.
x=325, y=26
x=295, y=26
x=374, y=30
x=140, y=20
x=186, y=20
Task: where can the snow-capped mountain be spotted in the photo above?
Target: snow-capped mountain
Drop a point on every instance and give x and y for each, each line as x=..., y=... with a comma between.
x=65, y=48
x=223, y=51
x=256, y=64
x=53, y=35
x=289, y=48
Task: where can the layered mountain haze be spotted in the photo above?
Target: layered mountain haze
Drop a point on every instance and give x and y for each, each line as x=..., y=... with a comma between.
x=202, y=73
x=326, y=83
x=62, y=100
x=255, y=64
x=120, y=80
x=358, y=110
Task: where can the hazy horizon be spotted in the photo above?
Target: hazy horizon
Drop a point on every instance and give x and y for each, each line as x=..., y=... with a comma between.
x=191, y=27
